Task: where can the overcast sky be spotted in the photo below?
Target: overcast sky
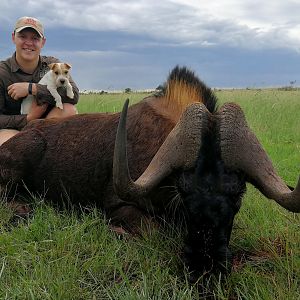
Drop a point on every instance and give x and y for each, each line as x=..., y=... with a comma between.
x=115, y=44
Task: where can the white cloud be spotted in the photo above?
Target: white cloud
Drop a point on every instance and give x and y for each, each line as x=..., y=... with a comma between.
x=247, y=24
x=216, y=38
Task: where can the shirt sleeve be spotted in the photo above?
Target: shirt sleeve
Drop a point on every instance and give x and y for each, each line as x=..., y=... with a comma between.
x=13, y=121
x=9, y=121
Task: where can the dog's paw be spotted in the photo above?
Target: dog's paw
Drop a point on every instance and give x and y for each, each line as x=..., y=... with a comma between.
x=59, y=103
x=70, y=94
x=57, y=99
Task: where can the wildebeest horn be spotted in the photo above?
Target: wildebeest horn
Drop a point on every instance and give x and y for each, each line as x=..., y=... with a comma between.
x=240, y=149
x=179, y=150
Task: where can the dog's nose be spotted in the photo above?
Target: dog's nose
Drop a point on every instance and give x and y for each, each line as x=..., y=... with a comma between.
x=62, y=81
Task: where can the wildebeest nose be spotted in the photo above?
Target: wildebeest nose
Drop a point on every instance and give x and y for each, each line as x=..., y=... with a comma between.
x=62, y=81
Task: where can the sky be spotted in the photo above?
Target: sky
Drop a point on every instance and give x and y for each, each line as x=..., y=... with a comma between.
x=118, y=44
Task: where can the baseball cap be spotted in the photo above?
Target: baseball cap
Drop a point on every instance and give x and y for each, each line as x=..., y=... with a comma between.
x=30, y=22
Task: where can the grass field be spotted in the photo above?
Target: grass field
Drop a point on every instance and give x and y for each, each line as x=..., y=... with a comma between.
x=70, y=255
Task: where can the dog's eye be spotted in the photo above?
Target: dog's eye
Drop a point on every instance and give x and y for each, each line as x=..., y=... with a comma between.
x=66, y=72
x=56, y=73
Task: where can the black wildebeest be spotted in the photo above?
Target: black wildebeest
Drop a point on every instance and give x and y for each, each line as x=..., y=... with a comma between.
x=202, y=154
x=208, y=157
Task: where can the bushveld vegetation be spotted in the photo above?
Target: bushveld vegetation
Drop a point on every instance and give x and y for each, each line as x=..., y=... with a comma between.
x=71, y=254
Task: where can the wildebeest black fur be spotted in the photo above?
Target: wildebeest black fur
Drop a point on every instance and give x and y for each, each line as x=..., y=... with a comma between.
x=212, y=196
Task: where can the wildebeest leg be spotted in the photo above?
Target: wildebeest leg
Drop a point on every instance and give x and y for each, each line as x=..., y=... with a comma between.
x=19, y=157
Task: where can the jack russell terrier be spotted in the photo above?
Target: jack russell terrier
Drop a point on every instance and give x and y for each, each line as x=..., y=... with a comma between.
x=57, y=76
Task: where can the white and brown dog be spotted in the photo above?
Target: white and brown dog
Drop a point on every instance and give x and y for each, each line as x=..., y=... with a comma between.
x=57, y=76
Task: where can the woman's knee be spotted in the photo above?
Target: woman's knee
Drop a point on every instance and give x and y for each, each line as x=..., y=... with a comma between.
x=6, y=134
x=68, y=110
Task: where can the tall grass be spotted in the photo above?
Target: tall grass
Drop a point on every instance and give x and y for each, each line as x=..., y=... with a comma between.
x=72, y=255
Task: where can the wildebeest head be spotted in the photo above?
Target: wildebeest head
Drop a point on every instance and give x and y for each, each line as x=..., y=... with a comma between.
x=211, y=204
x=212, y=196
x=215, y=155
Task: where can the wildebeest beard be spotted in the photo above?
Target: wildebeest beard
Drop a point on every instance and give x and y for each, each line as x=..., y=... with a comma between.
x=212, y=196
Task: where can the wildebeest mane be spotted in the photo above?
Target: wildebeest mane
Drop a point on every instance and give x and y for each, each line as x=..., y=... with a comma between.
x=184, y=86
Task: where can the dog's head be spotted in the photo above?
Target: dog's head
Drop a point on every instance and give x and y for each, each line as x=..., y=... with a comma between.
x=60, y=73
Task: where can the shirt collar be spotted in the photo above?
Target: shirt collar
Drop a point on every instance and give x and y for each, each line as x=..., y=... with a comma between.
x=15, y=67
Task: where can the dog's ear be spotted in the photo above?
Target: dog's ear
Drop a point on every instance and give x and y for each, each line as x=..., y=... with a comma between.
x=68, y=66
x=51, y=66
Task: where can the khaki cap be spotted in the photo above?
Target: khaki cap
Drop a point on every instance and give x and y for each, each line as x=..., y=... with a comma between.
x=29, y=22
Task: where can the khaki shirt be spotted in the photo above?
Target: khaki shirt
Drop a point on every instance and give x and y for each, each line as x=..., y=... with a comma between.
x=10, y=73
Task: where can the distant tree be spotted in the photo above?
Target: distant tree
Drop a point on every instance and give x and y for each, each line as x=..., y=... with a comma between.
x=159, y=88
x=127, y=90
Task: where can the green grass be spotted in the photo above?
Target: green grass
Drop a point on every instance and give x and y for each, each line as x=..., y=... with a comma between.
x=71, y=255
x=107, y=102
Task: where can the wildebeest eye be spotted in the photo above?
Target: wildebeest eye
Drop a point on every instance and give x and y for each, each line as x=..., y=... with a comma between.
x=185, y=184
